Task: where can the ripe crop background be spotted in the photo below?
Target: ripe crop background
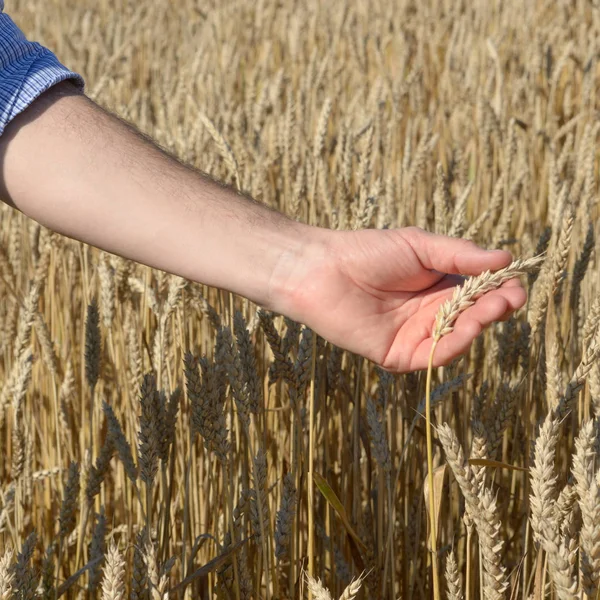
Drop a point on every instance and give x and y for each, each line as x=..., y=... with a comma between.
x=154, y=442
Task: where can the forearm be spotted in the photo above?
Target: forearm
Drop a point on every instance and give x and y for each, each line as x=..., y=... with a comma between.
x=81, y=172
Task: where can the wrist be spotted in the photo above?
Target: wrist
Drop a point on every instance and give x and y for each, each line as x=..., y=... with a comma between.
x=299, y=264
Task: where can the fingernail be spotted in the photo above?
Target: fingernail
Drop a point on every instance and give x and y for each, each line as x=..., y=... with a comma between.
x=498, y=252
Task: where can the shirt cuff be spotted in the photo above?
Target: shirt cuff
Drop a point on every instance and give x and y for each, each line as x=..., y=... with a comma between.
x=27, y=70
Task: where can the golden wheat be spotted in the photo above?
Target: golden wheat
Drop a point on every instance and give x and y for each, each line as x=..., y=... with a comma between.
x=158, y=436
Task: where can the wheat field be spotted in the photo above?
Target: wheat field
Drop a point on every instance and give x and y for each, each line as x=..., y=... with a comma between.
x=155, y=433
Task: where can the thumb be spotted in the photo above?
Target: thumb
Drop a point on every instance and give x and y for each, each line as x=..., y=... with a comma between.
x=453, y=255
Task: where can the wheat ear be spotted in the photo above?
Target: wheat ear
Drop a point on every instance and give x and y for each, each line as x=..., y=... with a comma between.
x=317, y=589
x=353, y=588
x=453, y=578
x=113, y=582
x=463, y=298
x=6, y=575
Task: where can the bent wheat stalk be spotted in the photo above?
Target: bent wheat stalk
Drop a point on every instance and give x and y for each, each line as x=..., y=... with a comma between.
x=463, y=297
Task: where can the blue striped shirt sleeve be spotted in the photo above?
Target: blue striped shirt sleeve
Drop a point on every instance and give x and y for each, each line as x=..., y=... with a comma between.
x=27, y=69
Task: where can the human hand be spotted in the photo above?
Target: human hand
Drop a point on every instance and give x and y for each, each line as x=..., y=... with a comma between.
x=376, y=292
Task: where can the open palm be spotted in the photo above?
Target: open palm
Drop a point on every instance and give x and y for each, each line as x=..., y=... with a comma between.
x=376, y=293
